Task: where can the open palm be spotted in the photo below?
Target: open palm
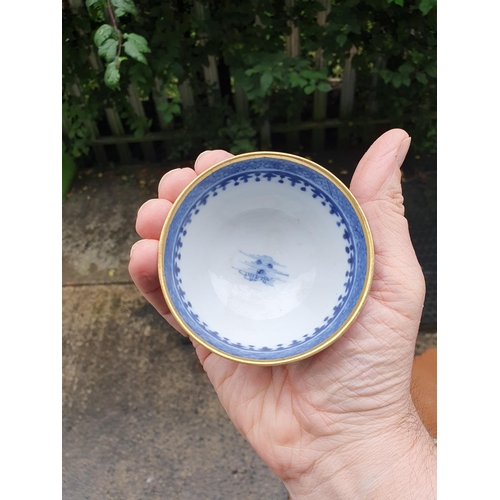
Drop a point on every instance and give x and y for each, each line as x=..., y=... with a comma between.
x=315, y=415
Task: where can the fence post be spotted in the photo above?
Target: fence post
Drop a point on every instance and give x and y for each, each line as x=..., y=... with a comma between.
x=210, y=72
x=292, y=47
x=114, y=120
x=158, y=98
x=135, y=101
x=99, y=152
x=369, y=129
x=187, y=99
x=320, y=98
x=240, y=103
x=347, y=98
x=116, y=126
x=292, y=40
x=265, y=129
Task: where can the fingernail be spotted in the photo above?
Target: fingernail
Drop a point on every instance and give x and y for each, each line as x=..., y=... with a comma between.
x=403, y=151
x=201, y=154
x=170, y=171
x=132, y=249
x=165, y=175
x=142, y=206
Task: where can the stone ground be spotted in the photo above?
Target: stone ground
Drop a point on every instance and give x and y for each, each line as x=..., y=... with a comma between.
x=140, y=418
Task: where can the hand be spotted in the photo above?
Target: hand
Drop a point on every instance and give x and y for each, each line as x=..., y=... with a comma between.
x=340, y=424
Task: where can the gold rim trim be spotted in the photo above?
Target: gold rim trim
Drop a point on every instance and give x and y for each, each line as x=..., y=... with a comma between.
x=369, y=252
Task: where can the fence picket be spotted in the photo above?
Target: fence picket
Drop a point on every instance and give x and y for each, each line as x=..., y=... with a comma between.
x=135, y=101
x=347, y=98
x=113, y=118
x=320, y=98
x=99, y=152
x=210, y=72
x=292, y=49
x=292, y=42
x=158, y=99
x=369, y=129
x=240, y=103
x=188, y=102
x=265, y=129
x=116, y=126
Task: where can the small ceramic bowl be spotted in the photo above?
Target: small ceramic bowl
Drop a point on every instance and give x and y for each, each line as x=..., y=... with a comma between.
x=265, y=258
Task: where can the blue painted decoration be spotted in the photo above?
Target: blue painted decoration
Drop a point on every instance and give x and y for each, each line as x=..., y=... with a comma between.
x=260, y=268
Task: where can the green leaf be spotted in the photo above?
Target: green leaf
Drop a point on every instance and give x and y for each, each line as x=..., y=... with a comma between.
x=386, y=75
x=108, y=50
x=167, y=118
x=425, y=6
x=139, y=41
x=123, y=7
x=324, y=87
x=399, y=2
x=104, y=33
x=421, y=78
x=131, y=49
x=297, y=81
x=169, y=107
x=95, y=8
x=163, y=106
x=406, y=68
x=135, y=46
x=112, y=75
x=431, y=70
x=307, y=73
x=266, y=81
x=91, y=3
x=310, y=89
x=396, y=80
x=341, y=39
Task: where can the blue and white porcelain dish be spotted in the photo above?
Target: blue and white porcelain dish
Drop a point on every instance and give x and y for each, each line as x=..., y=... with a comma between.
x=265, y=258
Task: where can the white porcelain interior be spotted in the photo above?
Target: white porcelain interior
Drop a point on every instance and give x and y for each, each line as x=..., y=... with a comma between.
x=263, y=265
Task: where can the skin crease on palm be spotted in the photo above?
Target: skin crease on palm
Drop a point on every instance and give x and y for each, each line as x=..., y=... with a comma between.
x=340, y=424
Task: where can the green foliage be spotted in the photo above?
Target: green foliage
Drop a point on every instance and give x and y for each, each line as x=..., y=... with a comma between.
x=136, y=46
x=109, y=40
x=123, y=7
x=156, y=45
x=426, y=6
x=241, y=135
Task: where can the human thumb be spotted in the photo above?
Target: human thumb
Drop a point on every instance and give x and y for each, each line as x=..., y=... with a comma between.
x=376, y=184
x=378, y=176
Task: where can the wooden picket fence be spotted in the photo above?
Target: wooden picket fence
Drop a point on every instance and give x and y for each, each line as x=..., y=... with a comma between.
x=127, y=148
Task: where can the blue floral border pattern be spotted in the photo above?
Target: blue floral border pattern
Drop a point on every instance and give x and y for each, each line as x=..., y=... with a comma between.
x=267, y=170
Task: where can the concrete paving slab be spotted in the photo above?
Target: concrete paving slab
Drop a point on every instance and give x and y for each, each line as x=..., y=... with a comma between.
x=140, y=417
x=98, y=229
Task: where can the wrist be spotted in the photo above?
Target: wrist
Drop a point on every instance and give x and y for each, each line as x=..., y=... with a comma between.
x=396, y=462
